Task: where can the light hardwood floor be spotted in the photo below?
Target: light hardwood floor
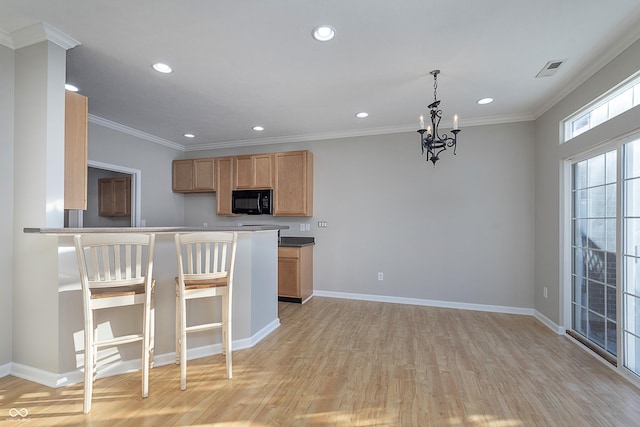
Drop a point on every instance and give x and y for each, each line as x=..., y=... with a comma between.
x=354, y=363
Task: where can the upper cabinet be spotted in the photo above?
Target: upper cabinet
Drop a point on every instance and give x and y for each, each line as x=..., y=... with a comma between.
x=293, y=184
x=75, y=150
x=194, y=175
x=289, y=174
x=224, y=185
x=114, y=196
x=253, y=171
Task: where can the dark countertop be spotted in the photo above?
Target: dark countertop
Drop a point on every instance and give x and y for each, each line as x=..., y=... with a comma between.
x=296, y=242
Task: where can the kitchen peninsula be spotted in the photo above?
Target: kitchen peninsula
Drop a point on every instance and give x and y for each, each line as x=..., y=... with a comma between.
x=255, y=309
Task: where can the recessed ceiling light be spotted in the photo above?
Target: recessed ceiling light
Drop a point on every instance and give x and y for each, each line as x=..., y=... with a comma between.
x=258, y=128
x=323, y=33
x=162, y=68
x=189, y=135
x=484, y=101
x=362, y=115
x=70, y=88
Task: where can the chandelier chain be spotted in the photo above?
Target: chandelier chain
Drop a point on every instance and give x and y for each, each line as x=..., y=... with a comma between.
x=435, y=87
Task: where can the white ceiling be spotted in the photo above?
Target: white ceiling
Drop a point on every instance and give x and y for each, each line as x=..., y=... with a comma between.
x=239, y=63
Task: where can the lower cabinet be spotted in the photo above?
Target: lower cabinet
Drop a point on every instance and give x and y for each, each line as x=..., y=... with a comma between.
x=295, y=273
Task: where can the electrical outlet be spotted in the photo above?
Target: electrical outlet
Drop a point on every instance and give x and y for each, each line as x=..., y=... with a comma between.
x=380, y=276
x=307, y=227
x=322, y=224
x=544, y=292
x=301, y=227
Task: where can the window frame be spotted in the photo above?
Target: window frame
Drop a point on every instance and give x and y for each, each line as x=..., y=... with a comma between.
x=630, y=82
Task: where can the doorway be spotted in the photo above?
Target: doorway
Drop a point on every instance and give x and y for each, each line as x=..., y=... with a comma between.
x=90, y=218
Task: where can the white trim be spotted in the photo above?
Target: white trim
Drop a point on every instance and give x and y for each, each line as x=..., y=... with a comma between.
x=294, y=138
x=40, y=32
x=136, y=187
x=134, y=132
x=351, y=134
x=549, y=323
x=590, y=70
x=605, y=98
x=5, y=39
x=39, y=376
x=5, y=369
x=52, y=380
x=425, y=302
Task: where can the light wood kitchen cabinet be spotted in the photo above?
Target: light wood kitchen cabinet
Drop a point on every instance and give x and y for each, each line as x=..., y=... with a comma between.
x=295, y=273
x=194, y=175
x=114, y=196
x=253, y=171
x=75, y=150
x=293, y=184
x=224, y=185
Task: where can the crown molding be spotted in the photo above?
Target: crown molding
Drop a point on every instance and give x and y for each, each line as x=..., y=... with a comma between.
x=296, y=138
x=40, y=32
x=5, y=39
x=134, y=132
x=611, y=52
x=352, y=134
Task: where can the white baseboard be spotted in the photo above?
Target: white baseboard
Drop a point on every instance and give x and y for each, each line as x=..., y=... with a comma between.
x=52, y=380
x=426, y=302
x=36, y=375
x=560, y=330
x=5, y=370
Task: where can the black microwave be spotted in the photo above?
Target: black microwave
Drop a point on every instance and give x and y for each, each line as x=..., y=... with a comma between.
x=251, y=202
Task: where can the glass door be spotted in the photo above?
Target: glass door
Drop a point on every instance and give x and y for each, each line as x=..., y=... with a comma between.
x=631, y=258
x=593, y=250
x=605, y=316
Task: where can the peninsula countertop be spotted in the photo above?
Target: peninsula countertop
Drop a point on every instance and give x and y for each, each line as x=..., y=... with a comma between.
x=62, y=231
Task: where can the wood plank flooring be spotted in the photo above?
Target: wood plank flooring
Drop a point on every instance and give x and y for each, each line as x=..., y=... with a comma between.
x=354, y=363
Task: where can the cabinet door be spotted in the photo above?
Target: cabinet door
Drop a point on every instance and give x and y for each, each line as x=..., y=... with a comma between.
x=203, y=174
x=288, y=273
x=105, y=197
x=182, y=175
x=75, y=151
x=224, y=183
x=254, y=171
x=114, y=196
x=263, y=170
x=293, y=195
x=121, y=196
x=243, y=174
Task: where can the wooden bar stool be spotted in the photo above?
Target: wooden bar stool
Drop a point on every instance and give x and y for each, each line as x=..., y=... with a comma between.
x=205, y=270
x=115, y=271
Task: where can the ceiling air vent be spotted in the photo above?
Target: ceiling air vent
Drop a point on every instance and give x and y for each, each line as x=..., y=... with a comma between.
x=550, y=68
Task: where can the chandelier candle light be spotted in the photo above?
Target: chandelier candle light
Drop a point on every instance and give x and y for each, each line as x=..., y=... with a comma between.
x=433, y=142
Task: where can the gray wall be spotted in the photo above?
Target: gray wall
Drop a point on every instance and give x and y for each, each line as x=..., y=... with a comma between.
x=549, y=178
x=461, y=232
x=159, y=205
x=7, y=64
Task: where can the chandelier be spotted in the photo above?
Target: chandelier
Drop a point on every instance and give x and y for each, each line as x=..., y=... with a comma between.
x=430, y=138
